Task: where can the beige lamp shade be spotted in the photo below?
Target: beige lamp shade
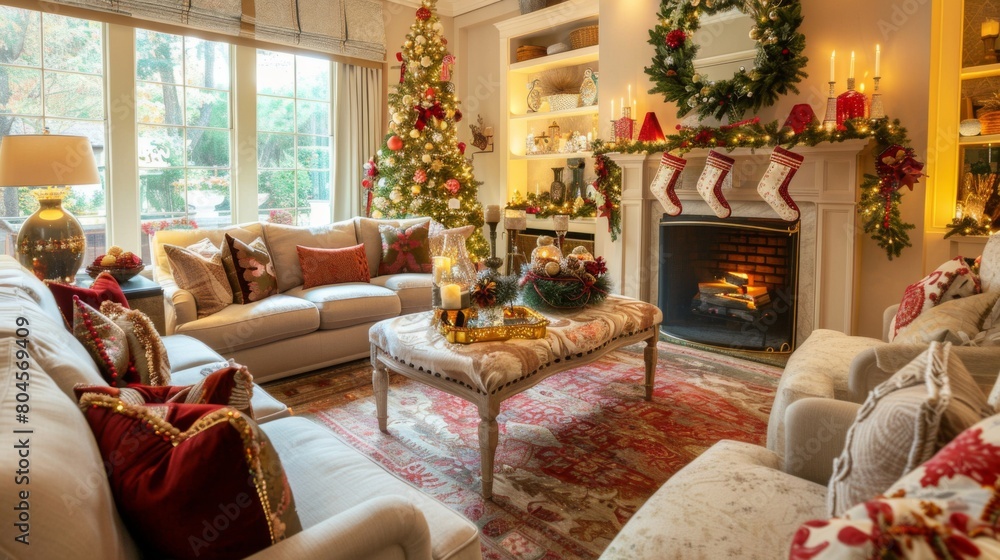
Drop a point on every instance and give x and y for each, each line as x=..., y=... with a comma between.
x=41, y=160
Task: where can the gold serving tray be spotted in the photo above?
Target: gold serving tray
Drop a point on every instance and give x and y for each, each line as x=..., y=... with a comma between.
x=519, y=322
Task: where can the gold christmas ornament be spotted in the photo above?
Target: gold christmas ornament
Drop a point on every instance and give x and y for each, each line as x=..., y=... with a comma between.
x=426, y=158
x=546, y=251
x=428, y=146
x=414, y=133
x=415, y=189
x=552, y=268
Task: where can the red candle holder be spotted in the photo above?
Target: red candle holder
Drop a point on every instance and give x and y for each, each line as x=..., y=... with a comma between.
x=850, y=104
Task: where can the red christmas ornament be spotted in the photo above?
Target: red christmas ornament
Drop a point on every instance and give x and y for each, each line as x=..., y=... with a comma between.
x=676, y=38
x=420, y=176
x=402, y=67
x=429, y=93
x=458, y=115
x=423, y=14
x=800, y=117
x=461, y=148
x=395, y=143
x=651, y=131
x=452, y=186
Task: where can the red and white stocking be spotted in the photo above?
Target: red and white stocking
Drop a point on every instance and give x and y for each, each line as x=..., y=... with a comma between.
x=710, y=183
x=664, y=182
x=773, y=187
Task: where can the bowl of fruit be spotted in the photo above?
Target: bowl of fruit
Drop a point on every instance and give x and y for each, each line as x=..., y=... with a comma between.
x=121, y=264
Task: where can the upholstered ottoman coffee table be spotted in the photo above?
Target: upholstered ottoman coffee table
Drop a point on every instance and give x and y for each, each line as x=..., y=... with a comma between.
x=487, y=373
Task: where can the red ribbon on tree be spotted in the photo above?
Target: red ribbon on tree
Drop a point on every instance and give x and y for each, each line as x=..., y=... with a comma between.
x=402, y=66
x=368, y=183
x=896, y=167
x=424, y=114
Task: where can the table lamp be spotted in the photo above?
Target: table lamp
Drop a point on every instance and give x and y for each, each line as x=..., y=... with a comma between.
x=51, y=241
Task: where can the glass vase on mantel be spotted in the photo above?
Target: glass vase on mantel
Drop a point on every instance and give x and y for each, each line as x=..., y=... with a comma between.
x=557, y=191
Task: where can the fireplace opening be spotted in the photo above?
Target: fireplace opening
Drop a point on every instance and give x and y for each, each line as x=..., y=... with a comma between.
x=729, y=283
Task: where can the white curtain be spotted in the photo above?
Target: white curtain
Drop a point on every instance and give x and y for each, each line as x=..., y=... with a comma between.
x=358, y=131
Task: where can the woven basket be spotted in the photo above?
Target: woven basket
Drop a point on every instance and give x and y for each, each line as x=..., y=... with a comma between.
x=528, y=6
x=527, y=52
x=990, y=122
x=563, y=101
x=584, y=37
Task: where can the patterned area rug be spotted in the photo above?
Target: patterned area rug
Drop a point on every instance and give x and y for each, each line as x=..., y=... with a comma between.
x=578, y=454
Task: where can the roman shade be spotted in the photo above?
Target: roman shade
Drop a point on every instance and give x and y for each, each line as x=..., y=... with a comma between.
x=353, y=28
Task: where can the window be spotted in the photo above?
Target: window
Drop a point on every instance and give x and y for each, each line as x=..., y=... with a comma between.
x=184, y=134
x=51, y=76
x=293, y=138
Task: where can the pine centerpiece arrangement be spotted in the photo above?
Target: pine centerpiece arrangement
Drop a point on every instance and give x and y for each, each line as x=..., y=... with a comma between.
x=421, y=169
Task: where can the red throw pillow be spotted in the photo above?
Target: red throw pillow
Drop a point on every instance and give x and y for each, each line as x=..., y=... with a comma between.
x=180, y=478
x=104, y=288
x=952, y=280
x=321, y=267
x=230, y=386
x=405, y=249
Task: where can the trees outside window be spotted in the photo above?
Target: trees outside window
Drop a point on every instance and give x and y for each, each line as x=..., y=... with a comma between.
x=293, y=138
x=183, y=105
x=52, y=76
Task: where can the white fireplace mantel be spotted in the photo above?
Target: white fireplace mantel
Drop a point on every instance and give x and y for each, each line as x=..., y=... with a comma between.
x=825, y=190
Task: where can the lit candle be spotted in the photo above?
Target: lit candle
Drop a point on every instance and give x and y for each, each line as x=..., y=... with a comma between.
x=536, y=188
x=634, y=108
x=492, y=214
x=833, y=56
x=612, y=109
x=442, y=265
x=850, y=73
x=630, y=94
x=623, y=106
x=451, y=296
x=878, y=61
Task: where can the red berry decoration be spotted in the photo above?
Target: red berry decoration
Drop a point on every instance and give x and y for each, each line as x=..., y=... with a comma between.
x=395, y=143
x=676, y=38
x=423, y=14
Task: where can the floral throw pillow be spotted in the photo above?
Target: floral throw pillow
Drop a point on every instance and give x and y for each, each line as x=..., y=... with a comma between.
x=952, y=280
x=945, y=508
x=405, y=249
x=254, y=271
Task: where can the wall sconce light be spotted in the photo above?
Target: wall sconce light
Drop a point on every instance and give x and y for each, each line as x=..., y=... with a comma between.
x=989, y=31
x=482, y=136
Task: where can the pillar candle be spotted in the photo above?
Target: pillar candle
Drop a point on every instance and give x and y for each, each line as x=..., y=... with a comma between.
x=878, y=61
x=850, y=73
x=441, y=265
x=492, y=214
x=560, y=222
x=451, y=296
x=833, y=56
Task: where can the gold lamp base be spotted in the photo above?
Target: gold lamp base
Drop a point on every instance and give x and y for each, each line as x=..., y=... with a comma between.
x=51, y=242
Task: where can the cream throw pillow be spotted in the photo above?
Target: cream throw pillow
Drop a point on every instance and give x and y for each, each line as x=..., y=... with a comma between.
x=958, y=321
x=198, y=269
x=903, y=423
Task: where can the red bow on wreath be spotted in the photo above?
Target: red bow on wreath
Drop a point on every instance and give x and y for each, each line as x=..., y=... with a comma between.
x=896, y=167
x=424, y=114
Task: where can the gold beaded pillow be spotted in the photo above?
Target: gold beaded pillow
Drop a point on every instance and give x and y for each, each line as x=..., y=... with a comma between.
x=106, y=343
x=189, y=463
x=146, y=351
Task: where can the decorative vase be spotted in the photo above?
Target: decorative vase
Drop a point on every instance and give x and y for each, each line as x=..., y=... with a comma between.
x=850, y=104
x=557, y=191
x=576, y=188
x=588, y=89
x=51, y=241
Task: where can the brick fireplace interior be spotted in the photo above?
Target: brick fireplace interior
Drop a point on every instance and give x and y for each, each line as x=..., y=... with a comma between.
x=729, y=283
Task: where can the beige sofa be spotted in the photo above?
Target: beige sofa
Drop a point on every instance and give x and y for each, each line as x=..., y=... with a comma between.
x=296, y=330
x=349, y=507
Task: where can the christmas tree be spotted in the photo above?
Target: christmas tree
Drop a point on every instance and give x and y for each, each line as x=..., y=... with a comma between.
x=421, y=169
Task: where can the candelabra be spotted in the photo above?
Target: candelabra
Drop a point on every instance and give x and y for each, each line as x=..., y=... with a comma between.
x=877, y=110
x=830, y=120
x=493, y=262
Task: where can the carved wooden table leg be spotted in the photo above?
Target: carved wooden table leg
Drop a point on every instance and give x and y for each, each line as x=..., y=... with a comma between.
x=488, y=436
x=649, y=353
x=380, y=384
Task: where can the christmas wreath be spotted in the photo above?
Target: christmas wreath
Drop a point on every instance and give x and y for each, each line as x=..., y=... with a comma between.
x=779, y=61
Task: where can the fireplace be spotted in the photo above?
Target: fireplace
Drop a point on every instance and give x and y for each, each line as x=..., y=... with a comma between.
x=729, y=283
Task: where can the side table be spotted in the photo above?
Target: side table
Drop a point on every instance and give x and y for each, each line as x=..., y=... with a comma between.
x=142, y=294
